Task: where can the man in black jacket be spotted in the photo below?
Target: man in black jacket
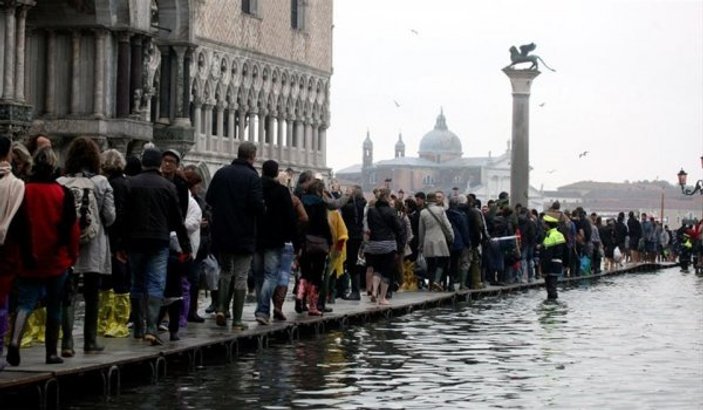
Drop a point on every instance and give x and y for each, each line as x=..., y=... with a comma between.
x=277, y=227
x=152, y=213
x=236, y=200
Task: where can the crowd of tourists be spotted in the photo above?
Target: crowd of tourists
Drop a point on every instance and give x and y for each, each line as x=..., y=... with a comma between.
x=140, y=238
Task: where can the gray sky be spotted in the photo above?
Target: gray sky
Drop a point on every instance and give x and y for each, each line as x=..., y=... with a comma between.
x=628, y=86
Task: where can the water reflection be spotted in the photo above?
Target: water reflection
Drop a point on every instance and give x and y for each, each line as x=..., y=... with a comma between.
x=625, y=342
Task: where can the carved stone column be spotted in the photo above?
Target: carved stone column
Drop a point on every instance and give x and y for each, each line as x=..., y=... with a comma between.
x=123, y=75
x=207, y=122
x=19, y=63
x=279, y=137
x=261, y=144
x=242, y=123
x=299, y=142
x=181, y=90
x=99, y=92
x=197, y=123
x=75, y=71
x=315, y=146
x=8, y=92
x=49, y=98
x=136, y=73
x=165, y=86
x=250, y=126
x=220, y=107
x=323, y=144
x=290, y=126
x=308, y=142
x=230, y=122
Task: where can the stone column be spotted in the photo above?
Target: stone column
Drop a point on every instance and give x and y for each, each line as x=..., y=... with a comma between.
x=50, y=96
x=75, y=71
x=261, y=144
x=230, y=122
x=8, y=91
x=136, y=72
x=300, y=142
x=19, y=63
x=521, y=81
x=252, y=131
x=99, y=92
x=165, y=86
x=242, y=123
x=220, y=107
x=314, y=148
x=323, y=144
x=123, y=77
x=290, y=126
x=269, y=135
x=182, y=118
x=308, y=150
x=207, y=122
x=279, y=137
x=197, y=122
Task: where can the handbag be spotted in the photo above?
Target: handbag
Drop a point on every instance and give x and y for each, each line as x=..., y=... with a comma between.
x=361, y=257
x=448, y=237
x=315, y=244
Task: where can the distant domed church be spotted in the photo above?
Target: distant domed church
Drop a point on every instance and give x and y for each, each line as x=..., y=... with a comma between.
x=440, y=166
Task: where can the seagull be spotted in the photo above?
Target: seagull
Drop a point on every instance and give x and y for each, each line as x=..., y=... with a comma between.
x=412, y=30
x=396, y=103
x=542, y=104
x=551, y=171
x=583, y=154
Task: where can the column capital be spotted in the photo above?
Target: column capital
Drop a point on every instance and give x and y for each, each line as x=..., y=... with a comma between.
x=124, y=36
x=100, y=33
x=220, y=105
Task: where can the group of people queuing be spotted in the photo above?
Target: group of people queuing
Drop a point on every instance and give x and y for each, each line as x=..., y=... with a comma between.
x=140, y=237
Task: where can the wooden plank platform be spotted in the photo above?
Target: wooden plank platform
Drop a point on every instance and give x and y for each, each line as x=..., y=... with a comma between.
x=196, y=337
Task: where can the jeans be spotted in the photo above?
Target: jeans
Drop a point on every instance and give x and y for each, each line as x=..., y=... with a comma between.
x=148, y=272
x=528, y=263
x=266, y=270
x=284, y=268
x=30, y=290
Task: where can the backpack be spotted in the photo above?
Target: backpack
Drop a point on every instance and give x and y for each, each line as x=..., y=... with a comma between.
x=87, y=210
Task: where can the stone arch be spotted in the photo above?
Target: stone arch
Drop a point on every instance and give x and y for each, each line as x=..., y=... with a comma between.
x=175, y=20
x=197, y=90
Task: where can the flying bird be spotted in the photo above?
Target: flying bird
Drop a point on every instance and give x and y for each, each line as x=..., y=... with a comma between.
x=412, y=30
x=396, y=103
x=551, y=171
x=583, y=154
x=542, y=104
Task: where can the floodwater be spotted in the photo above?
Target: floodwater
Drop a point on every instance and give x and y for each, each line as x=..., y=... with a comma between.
x=626, y=342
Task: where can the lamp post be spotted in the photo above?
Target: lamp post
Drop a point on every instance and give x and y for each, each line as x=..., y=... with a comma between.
x=697, y=189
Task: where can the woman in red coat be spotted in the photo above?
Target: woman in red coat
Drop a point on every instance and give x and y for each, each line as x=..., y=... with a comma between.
x=54, y=234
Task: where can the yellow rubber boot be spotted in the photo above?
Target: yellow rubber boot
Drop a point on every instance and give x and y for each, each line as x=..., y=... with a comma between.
x=118, y=323
x=34, y=330
x=106, y=303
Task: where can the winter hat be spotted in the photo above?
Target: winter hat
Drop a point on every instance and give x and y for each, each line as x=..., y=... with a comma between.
x=172, y=152
x=151, y=158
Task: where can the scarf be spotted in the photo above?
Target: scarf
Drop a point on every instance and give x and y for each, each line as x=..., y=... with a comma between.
x=11, y=195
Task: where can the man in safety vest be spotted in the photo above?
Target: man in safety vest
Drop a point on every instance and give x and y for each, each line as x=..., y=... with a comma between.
x=552, y=255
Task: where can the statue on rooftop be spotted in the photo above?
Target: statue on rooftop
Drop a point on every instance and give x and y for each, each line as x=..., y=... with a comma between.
x=524, y=56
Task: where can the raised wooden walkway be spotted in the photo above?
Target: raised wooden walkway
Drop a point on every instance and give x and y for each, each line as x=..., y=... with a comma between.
x=41, y=383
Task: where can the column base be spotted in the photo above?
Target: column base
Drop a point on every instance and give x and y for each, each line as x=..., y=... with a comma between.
x=15, y=118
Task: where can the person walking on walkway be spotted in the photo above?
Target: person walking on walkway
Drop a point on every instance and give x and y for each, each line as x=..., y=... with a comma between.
x=12, y=227
x=275, y=229
x=553, y=253
x=434, y=232
x=152, y=213
x=236, y=199
x=95, y=209
x=353, y=215
x=53, y=232
x=385, y=238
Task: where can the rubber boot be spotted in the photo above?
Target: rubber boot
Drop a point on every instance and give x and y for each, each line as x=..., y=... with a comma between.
x=475, y=270
x=551, y=284
x=313, y=297
x=193, y=308
x=90, y=324
x=185, y=303
x=152, y=316
x=118, y=323
x=51, y=341
x=300, y=295
x=463, y=273
x=67, y=314
x=279, y=296
x=225, y=294
x=214, y=297
x=34, y=329
x=106, y=303
x=174, y=311
x=354, y=295
x=138, y=310
x=436, y=285
x=383, y=290
x=240, y=296
x=13, y=349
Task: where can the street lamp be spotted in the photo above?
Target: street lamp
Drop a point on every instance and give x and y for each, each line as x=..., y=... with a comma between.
x=698, y=188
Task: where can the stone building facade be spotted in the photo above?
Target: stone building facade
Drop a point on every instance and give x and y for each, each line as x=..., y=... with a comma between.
x=196, y=75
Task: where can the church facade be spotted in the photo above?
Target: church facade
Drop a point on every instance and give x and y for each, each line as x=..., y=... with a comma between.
x=198, y=76
x=440, y=165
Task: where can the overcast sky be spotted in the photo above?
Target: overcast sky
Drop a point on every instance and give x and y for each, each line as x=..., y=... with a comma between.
x=628, y=86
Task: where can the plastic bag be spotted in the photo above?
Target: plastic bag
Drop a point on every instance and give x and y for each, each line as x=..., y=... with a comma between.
x=211, y=271
x=420, y=266
x=617, y=255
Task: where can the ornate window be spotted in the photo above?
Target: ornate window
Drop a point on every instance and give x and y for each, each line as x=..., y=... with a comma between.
x=250, y=7
x=297, y=14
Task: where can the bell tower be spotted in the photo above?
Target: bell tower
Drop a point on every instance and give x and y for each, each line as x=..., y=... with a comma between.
x=368, y=151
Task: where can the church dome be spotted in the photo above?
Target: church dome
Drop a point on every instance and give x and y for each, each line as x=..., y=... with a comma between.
x=440, y=144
